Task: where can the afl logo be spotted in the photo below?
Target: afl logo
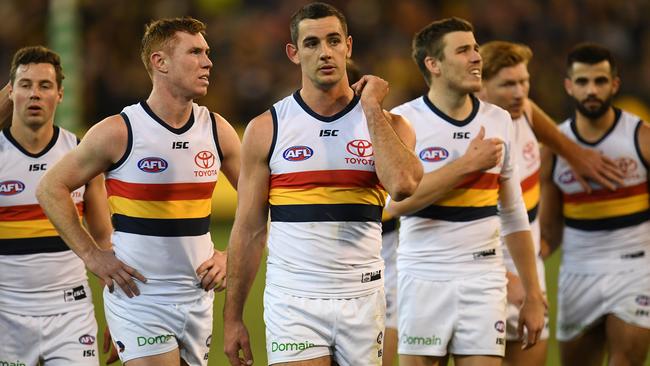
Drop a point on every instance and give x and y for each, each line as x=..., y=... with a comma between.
x=500, y=326
x=567, y=177
x=152, y=165
x=204, y=159
x=298, y=153
x=360, y=148
x=11, y=187
x=434, y=154
x=87, y=339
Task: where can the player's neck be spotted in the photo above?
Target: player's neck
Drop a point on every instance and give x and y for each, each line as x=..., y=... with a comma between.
x=593, y=129
x=172, y=109
x=326, y=102
x=32, y=139
x=455, y=105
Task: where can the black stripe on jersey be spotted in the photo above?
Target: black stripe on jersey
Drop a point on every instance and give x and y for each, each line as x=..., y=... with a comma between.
x=637, y=146
x=274, y=116
x=48, y=244
x=178, y=131
x=161, y=227
x=456, y=214
x=388, y=226
x=334, y=212
x=50, y=145
x=129, y=144
x=532, y=213
x=215, y=135
x=319, y=117
x=611, y=223
x=475, y=106
x=574, y=129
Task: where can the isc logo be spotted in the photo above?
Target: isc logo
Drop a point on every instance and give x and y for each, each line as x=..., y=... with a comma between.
x=11, y=187
x=152, y=165
x=434, y=154
x=297, y=153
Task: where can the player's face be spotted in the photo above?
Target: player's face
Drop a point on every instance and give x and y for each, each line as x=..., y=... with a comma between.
x=189, y=68
x=592, y=88
x=462, y=64
x=509, y=89
x=35, y=94
x=322, y=50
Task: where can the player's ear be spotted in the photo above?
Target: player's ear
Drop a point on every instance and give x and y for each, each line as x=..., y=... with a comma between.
x=292, y=53
x=158, y=61
x=432, y=64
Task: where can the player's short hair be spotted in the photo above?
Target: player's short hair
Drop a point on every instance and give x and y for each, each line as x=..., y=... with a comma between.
x=37, y=55
x=428, y=41
x=497, y=55
x=315, y=11
x=591, y=54
x=161, y=34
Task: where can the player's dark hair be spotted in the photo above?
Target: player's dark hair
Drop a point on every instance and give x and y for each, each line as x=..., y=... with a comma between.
x=315, y=11
x=37, y=55
x=591, y=54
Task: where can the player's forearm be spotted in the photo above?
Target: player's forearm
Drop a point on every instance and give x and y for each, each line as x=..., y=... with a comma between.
x=521, y=248
x=60, y=209
x=397, y=167
x=244, y=257
x=432, y=188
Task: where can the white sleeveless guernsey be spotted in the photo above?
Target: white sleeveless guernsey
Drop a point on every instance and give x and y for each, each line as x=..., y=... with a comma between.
x=458, y=234
x=326, y=203
x=528, y=165
x=40, y=275
x=606, y=231
x=160, y=198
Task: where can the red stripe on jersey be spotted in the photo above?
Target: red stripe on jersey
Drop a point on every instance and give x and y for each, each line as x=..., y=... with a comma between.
x=530, y=181
x=29, y=212
x=160, y=192
x=605, y=194
x=480, y=180
x=326, y=178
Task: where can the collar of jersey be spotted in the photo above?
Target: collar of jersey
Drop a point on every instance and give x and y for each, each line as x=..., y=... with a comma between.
x=178, y=131
x=455, y=122
x=574, y=129
x=48, y=147
x=344, y=111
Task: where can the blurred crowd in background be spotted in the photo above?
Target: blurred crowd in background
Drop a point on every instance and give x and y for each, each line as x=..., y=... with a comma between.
x=248, y=37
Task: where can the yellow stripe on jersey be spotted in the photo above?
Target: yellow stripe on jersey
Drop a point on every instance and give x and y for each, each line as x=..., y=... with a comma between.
x=27, y=229
x=531, y=197
x=327, y=195
x=608, y=208
x=470, y=198
x=185, y=209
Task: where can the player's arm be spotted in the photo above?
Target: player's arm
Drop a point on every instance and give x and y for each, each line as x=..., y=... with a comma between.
x=6, y=107
x=481, y=154
x=586, y=163
x=517, y=237
x=643, y=142
x=103, y=145
x=96, y=212
x=393, y=140
x=212, y=272
x=550, y=209
x=248, y=236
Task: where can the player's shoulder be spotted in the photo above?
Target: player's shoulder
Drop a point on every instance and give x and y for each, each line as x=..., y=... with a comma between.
x=411, y=106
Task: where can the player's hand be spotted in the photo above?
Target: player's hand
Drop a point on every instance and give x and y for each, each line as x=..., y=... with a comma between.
x=107, y=347
x=591, y=164
x=212, y=273
x=105, y=265
x=516, y=292
x=236, y=339
x=531, y=317
x=371, y=88
x=483, y=154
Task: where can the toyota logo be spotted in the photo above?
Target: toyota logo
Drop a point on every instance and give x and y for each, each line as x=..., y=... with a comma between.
x=360, y=148
x=627, y=166
x=204, y=159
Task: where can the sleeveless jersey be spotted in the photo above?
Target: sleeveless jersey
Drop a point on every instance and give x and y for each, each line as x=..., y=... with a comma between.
x=528, y=165
x=458, y=234
x=160, y=198
x=606, y=230
x=40, y=275
x=326, y=203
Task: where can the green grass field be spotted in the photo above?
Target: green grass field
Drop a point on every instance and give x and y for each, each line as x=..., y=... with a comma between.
x=254, y=319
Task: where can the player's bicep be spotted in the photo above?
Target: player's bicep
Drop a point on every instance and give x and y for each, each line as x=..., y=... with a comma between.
x=231, y=150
